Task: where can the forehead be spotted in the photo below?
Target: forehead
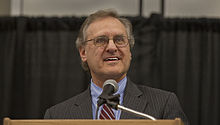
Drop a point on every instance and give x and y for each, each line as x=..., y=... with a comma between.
x=105, y=26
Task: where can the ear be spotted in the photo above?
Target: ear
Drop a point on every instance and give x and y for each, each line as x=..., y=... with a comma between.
x=82, y=53
x=130, y=55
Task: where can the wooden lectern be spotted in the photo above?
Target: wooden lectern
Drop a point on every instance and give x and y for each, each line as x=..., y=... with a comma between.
x=8, y=121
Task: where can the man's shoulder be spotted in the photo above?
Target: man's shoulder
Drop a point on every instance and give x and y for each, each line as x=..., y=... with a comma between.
x=68, y=108
x=157, y=91
x=71, y=102
x=151, y=92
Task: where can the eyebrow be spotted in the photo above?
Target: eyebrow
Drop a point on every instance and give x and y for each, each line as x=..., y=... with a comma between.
x=113, y=36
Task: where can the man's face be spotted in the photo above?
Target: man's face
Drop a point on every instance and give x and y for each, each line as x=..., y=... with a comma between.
x=106, y=62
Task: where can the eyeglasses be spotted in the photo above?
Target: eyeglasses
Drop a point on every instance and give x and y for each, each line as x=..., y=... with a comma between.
x=102, y=41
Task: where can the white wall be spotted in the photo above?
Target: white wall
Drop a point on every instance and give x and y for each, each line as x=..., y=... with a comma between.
x=4, y=7
x=173, y=8
x=77, y=7
x=193, y=8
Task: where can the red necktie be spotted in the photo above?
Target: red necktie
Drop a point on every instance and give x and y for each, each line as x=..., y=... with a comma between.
x=106, y=113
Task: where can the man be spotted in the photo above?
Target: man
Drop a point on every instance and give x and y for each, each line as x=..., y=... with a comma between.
x=104, y=44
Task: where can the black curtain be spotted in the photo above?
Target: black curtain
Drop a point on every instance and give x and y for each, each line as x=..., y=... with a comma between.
x=40, y=66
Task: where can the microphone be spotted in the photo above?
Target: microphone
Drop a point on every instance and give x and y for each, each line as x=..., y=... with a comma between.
x=109, y=87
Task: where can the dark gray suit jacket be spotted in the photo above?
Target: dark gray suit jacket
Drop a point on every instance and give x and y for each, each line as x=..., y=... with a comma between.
x=157, y=103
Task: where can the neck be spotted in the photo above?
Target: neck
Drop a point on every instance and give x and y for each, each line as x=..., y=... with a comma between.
x=100, y=81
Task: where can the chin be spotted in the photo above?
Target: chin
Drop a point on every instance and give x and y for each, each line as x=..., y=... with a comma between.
x=114, y=69
x=114, y=73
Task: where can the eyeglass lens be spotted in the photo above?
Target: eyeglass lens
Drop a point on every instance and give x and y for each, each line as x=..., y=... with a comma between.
x=103, y=40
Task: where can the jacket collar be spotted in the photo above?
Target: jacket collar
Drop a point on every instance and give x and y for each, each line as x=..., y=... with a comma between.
x=133, y=99
x=84, y=104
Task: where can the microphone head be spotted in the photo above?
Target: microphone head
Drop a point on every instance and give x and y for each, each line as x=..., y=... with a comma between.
x=111, y=82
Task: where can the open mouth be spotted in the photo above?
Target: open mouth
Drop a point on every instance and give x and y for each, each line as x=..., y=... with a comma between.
x=112, y=59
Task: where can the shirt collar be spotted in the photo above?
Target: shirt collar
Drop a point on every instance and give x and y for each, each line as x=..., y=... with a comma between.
x=96, y=90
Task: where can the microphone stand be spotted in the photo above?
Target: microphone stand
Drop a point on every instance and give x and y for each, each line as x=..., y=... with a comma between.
x=122, y=108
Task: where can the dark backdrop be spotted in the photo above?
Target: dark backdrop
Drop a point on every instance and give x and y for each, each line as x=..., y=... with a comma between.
x=40, y=66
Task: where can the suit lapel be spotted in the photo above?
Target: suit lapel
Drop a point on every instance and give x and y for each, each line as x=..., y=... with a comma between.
x=133, y=99
x=83, y=105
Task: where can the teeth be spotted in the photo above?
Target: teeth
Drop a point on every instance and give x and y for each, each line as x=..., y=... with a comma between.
x=111, y=59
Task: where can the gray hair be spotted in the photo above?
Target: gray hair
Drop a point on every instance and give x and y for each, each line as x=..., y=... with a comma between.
x=80, y=41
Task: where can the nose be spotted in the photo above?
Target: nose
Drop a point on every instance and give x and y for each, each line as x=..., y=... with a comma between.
x=111, y=47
